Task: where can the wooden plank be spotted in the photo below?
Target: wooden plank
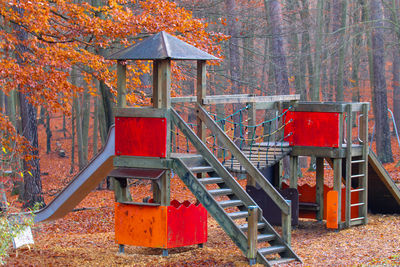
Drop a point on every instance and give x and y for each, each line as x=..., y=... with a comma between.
x=241, y=99
x=294, y=162
x=156, y=87
x=142, y=162
x=251, y=120
x=364, y=168
x=253, y=171
x=183, y=99
x=332, y=216
x=141, y=112
x=322, y=152
x=266, y=105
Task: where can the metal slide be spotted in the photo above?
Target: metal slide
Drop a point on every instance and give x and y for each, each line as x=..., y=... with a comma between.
x=383, y=193
x=82, y=184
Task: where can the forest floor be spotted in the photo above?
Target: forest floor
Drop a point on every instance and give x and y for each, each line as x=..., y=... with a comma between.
x=86, y=237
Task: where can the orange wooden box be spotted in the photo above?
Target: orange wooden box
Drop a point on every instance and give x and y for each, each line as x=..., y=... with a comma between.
x=177, y=225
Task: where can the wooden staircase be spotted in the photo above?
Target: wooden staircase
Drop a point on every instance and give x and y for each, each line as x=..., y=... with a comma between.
x=229, y=204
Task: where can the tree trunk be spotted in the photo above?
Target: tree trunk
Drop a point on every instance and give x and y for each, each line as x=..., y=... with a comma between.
x=383, y=145
x=32, y=181
x=396, y=87
x=314, y=94
x=273, y=8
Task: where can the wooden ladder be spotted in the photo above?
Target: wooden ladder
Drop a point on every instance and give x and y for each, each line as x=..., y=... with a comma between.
x=229, y=204
x=356, y=172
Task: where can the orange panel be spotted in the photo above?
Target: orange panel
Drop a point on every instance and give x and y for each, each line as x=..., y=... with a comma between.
x=139, y=225
x=332, y=209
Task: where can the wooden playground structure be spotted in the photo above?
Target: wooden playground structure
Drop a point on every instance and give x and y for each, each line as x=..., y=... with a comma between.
x=147, y=144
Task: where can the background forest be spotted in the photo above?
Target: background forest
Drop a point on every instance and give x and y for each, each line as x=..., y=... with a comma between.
x=54, y=73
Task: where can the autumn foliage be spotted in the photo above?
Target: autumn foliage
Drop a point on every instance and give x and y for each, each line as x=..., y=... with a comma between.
x=61, y=34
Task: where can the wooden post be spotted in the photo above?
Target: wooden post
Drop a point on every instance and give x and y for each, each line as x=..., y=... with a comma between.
x=201, y=94
x=349, y=127
x=251, y=122
x=252, y=234
x=294, y=162
x=120, y=186
x=320, y=188
x=162, y=99
x=337, y=186
x=287, y=225
x=364, y=182
x=121, y=83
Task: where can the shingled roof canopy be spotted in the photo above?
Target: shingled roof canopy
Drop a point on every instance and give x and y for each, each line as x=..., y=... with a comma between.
x=161, y=46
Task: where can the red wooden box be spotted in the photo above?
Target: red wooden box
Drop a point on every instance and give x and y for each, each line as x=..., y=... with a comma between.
x=177, y=225
x=318, y=129
x=143, y=137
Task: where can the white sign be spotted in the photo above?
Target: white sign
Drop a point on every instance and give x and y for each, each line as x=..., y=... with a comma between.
x=24, y=237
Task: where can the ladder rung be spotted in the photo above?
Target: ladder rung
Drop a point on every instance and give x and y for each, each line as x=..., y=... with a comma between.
x=271, y=250
x=244, y=227
x=357, y=190
x=357, y=219
x=357, y=175
x=220, y=192
x=211, y=180
x=230, y=203
x=265, y=237
x=358, y=161
x=201, y=169
x=357, y=204
x=238, y=214
x=281, y=261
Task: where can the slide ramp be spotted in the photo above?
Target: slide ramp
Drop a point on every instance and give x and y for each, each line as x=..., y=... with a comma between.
x=383, y=193
x=82, y=184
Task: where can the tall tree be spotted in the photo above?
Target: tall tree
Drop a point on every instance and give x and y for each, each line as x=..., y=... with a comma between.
x=273, y=8
x=380, y=107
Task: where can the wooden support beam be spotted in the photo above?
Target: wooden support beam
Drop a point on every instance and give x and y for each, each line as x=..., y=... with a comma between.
x=252, y=234
x=364, y=182
x=337, y=186
x=294, y=163
x=241, y=99
x=349, y=139
x=201, y=94
x=121, y=83
x=320, y=188
x=287, y=224
x=251, y=120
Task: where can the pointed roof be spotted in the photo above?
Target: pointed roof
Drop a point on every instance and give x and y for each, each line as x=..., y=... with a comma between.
x=161, y=46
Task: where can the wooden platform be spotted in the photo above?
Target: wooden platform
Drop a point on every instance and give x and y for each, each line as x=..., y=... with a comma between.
x=262, y=155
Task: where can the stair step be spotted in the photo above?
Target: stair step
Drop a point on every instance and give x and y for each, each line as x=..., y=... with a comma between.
x=271, y=250
x=357, y=204
x=281, y=261
x=220, y=192
x=211, y=180
x=201, y=169
x=245, y=226
x=358, y=161
x=357, y=190
x=231, y=203
x=238, y=215
x=265, y=237
x=357, y=175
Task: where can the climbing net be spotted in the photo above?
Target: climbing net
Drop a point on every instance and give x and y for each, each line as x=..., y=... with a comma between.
x=263, y=142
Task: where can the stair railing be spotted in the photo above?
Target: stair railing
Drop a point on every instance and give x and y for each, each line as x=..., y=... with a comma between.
x=283, y=205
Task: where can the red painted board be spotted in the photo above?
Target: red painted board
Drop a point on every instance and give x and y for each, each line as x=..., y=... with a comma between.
x=318, y=129
x=187, y=224
x=143, y=137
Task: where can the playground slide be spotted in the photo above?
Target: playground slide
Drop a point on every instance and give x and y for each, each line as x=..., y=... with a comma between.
x=82, y=184
x=383, y=193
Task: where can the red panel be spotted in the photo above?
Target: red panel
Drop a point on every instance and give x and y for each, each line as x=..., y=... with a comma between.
x=319, y=129
x=144, y=137
x=187, y=224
